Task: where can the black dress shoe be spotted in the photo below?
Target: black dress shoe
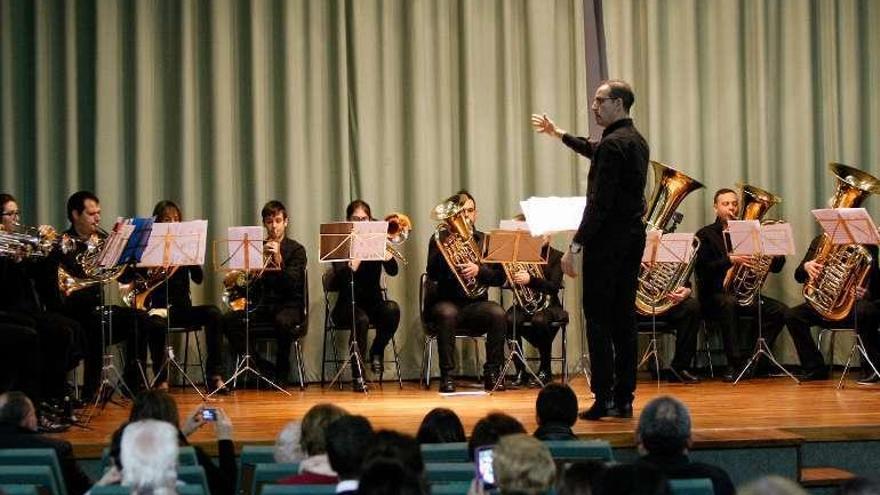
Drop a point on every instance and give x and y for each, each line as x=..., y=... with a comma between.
x=599, y=410
x=733, y=373
x=358, y=384
x=447, y=385
x=521, y=379
x=376, y=364
x=545, y=377
x=814, y=374
x=621, y=410
x=871, y=379
x=681, y=376
x=489, y=381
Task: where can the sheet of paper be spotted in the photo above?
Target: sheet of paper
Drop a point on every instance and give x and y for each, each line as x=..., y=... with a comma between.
x=677, y=247
x=745, y=237
x=652, y=245
x=176, y=244
x=370, y=241
x=553, y=214
x=115, y=243
x=245, y=248
x=777, y=239
x=513, y=225
x=848, y=225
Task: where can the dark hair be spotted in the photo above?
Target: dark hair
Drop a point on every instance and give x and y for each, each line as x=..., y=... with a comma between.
x=664, y=426
x=354, y=205
x=348, y=439
x=556, y=403
x=465, y=192
x=5, y=198
x=631, y=479
x=859, y=486
x=154, y=404
x=163, y=205
x=77, y=202
x=384, y=476
x=723, y=190
x=578, y=478
x=273, y=208
x=441, y=425
x=392, y=445
x=16, y=407
x=621, y=89
x=489, y=429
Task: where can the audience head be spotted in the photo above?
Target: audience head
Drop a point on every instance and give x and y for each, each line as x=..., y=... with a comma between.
x=491, y=428
x=664, y=427
x=167, y=211
x=392, y=445
x=314, y=427
x=557, y=403
x=288, y=444
x=771, y=485
x=348, y=439
x=384, y=476
x=149, y=454
x=155, y=404
x=523, y=465
x=441, y=425
x=17, y=409
x=860, y=486
x=578, y=478
x=631, y=479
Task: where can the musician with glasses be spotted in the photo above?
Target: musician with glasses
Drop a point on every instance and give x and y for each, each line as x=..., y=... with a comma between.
x=612, y=237
x=449, y=309
x=277, y=295
x=181, y=311
x=540, y=327
x=83, y=302
x=720, y=307
x=371, y=307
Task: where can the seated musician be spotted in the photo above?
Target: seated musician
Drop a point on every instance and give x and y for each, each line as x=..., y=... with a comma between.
x=449, y=309
x=277, y=295
x=718, y=306
x=865, y=316
x=540, y=332
x=684, y=317
x=370, y=305
x=181, y=311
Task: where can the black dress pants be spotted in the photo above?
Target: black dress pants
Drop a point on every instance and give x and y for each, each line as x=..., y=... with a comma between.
x=474, y=318
x=384, y=315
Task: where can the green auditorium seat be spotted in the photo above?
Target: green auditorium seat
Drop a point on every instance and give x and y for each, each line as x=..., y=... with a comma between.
x=580, y=450
x=298, y=490
x=450, y=488
x=194, y=475
x=186, y=456
x=695, y=486
x=31, y=475
x=254, y=476
x=124, y=490
x=449, y=472
x=36, y=457
x=445, y=452
x=23, y=490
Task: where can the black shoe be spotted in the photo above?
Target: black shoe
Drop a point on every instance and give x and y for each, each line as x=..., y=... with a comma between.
x=872, y=379
x=814, y=374
x=599, y=410
x=621, y=410
x=681, y=376
x=216, y=386
x=520, y=380
x=733, y=372
x=358, y=384
x=447, y=385
x=50, y=425
x=489, y=381
x=376, y=364
x=545, y=377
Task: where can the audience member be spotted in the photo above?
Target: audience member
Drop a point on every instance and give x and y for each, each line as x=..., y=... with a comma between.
x=18, y=429
x=389, y=444
x=315, y=469
x=348, y=439
x=578, y=478
x=149, y=455
x=664, y=437
x=556, y=410
x=631, y=479
x=523, y=465
x=771, y=485
x=386, y=476
x=860, y=486
x=491, y=428
x=288, y=444
x=441, y=425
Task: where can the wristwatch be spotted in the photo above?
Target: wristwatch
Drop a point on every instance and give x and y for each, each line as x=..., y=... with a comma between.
x=574, y=248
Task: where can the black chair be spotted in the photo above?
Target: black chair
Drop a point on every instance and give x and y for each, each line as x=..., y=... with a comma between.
x=331, y=328
x=561, y=327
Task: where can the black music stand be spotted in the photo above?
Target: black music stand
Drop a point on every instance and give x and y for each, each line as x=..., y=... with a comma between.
x=171, y=254
x=663, y=248
x=750, y=238
x=510, y=247
x=246, y=254
x=346, y=242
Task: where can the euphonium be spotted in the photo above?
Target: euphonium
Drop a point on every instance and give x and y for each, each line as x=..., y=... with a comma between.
x=845, y=266
x=527, y=298
x=135, y=293
x=399, y=226
x=25, y=241
x=89, y=263
x=659, y=280
x=455, y=239
x=742, y=281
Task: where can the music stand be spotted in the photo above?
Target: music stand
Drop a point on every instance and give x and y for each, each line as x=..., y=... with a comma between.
x=171, y=246
x=512, y=247
x=663, y=248
x=850, y=226
x=245, y=245
x=750, y=238
x=347, y=242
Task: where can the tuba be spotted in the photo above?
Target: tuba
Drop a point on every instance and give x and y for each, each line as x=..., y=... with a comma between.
x=455, y=239
x=846, y=266
x=527, y=298
x=659, y=280
x=741, y=281
x=399, y=226
x=89, y=262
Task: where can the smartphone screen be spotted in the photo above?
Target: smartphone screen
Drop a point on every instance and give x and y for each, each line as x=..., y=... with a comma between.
x=485, y=473
x=209, y=414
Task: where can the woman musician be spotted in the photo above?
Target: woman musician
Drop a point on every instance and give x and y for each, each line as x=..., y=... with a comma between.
x=371, y=307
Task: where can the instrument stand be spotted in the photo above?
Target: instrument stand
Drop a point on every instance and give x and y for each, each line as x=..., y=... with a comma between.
x=858, y=345
x=515, y=352
x=762, y=349
x=653, y=350
x=354, y=354
x=111, y=380
x=170, y=360
x=583, y=364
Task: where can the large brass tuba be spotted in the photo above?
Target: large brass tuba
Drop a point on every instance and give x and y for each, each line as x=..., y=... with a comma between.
x=659, y=280
x=530, y=300
x=846, y=266
x=455, y=239
x=744, y=282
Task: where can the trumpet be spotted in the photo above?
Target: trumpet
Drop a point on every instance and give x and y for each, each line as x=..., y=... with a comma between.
x=26, y=241
x=399, y=227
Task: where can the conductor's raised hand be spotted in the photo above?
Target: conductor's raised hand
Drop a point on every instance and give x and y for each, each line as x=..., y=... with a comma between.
x=543, y=125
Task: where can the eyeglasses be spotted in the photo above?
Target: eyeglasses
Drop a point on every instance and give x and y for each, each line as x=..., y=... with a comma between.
x=470, y=210
x=359, y=219
x=601, y=99
x=14, y=213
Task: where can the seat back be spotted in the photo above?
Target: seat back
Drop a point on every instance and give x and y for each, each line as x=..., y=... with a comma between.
x=449, y=472
x=23, y=490
x=194, y=475
x=695, y=486
x=125, y=490
x=580, y=450
x=456, y=488
x=36, y=457
x=299, y=490
x=250, y=456
x=186, y=456
x=254, y=476
x=41, y=476
x=445, y=452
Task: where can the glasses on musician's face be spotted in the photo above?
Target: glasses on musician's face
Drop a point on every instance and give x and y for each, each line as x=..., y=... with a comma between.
x=359, y=218
x=598, y=100
x=13, y=213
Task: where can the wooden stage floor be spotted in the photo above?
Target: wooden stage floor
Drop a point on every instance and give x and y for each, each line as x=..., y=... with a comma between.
x=754, y=411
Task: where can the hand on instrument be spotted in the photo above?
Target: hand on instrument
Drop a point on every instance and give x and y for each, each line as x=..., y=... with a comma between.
x=469, y=270
x=543, y=125
x=737, y=259
x=521, y=277
x=860, y=292
x=354, y=264
x=813, y=268
x=568, y=265
x=273, y=249
x=679, y=294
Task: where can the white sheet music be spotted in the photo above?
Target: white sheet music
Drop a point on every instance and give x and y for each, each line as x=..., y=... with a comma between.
x=749, y=238
x=848, y=225
x=176, y=244
x=675, y=247
x=370, y=241
x=777, y=239
x=513, y=225
x=115, y=243
x=245, y=247
x=553, y=214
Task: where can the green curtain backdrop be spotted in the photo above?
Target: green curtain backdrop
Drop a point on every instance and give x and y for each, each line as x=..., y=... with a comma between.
x=224, y=104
